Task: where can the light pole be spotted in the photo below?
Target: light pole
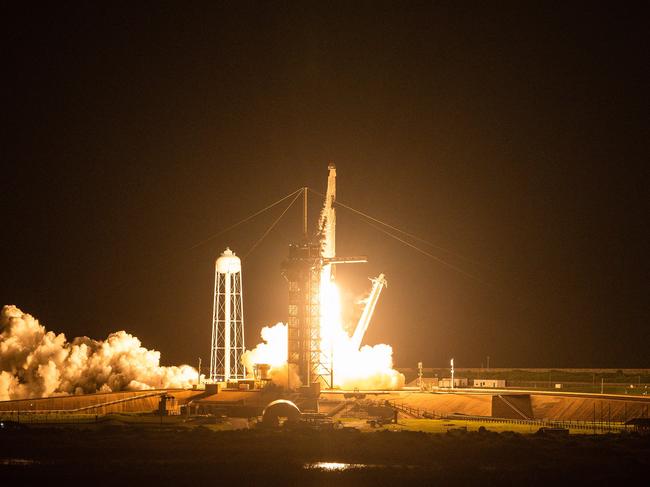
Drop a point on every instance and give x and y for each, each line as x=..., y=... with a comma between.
x=452, y=373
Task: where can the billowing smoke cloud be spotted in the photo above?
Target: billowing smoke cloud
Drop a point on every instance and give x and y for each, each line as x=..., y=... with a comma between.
x=273, y=351
x=367, y=368
x=370, y=367
x=35, y=362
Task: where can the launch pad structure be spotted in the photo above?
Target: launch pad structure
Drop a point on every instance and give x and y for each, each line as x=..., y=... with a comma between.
x=309, y=271
x=304, y=270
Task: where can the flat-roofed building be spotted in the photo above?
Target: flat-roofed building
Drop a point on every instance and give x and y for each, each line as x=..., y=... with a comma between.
x=458, y=382
x=490, y=383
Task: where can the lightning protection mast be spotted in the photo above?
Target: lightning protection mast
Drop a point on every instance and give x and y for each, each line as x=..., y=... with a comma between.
x=227, y=320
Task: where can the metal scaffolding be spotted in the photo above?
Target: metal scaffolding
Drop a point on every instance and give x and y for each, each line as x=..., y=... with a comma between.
x=227, y=320
x=302, y=271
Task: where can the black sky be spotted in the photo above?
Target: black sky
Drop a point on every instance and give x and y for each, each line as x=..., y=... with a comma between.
x=515, y=136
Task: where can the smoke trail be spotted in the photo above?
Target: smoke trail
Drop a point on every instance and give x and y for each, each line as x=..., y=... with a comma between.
x=35, y=362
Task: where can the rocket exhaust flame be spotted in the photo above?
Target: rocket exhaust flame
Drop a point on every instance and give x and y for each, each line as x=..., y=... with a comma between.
x=368, y=367
x=352, y=367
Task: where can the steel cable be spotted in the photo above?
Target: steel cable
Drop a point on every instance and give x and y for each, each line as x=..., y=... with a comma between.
x=405, y=242
x=268, y=230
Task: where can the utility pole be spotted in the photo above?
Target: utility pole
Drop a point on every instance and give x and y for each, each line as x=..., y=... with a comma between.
x=452, y=373
x=198, y=378
x=602, y=385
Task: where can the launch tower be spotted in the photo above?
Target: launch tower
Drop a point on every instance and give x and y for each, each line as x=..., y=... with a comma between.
x=302, y=270
x=308, y=264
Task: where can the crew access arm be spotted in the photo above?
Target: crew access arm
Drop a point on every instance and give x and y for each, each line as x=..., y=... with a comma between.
x=377, y=285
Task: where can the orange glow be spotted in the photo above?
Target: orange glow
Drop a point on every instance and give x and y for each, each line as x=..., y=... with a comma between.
x=364, y=368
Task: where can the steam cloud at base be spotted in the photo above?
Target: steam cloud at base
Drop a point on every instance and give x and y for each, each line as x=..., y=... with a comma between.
x=367, y=368
x=273, y=351
x=371, y=367
x=35, y=362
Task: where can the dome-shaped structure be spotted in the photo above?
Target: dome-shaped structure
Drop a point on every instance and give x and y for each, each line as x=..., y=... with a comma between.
x=228, y=262
x=280, y=408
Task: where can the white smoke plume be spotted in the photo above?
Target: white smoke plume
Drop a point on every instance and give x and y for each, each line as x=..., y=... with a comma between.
x=35, y=362
x=366, y=367
x=273, y=351
x=369, y=368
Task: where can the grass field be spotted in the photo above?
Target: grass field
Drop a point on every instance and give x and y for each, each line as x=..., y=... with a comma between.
x=226, y=424
x=444, y=425
x=126, y=419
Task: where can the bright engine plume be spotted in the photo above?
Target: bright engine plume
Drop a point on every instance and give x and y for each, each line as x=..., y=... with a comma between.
x=35, y=362
x=368, y=367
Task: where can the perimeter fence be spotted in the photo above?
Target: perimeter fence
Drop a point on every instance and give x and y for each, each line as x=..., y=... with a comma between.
x=587, y=426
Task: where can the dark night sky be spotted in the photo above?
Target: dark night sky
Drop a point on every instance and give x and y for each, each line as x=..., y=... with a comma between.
x=516, y=137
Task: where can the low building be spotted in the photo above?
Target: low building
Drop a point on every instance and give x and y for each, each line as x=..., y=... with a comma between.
x=426, y=383
x=458, y=382
x=490, y=383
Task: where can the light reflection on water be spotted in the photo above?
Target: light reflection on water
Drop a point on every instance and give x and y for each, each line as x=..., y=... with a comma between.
x=341, y=467
x=337, y=467
x=18, y=461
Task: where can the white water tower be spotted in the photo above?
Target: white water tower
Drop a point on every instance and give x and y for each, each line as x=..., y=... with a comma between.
x=227, y=320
